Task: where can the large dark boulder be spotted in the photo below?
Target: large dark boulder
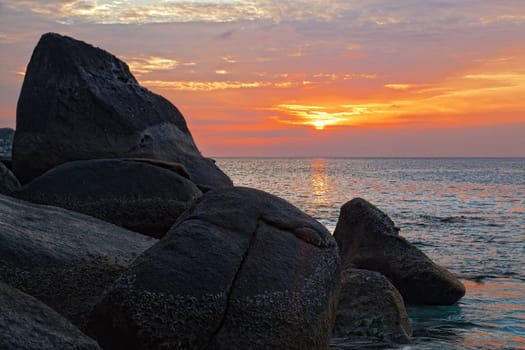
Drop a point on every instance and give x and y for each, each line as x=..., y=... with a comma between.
x=63, y=258
x=80, y=102
x=27, y=324
x=241, y=269
x=370, y=309
x=369, y=244
x=136, y=194
x=8, y=181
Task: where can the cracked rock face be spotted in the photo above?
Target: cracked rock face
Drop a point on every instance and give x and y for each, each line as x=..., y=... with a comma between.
x=240, y=269
x=80, y=102
x=367, y=242
x=141, y=195
x=27, y=324
x=63, y=258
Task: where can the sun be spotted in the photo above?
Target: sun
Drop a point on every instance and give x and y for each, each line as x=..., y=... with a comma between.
x=319, y=125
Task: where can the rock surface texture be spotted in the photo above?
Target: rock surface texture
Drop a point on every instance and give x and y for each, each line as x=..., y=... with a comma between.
x=80, y=102
x=8, y=181
x=27, y=324
x=240, y=269
x=370, y=307
x=64, y=259
x=135, y=194
x=368, y=243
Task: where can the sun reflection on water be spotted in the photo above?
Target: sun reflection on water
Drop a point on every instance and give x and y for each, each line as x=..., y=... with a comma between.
x=320, y=182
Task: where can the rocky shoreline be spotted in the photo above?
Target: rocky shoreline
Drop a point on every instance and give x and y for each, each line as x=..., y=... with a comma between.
x=118, y=234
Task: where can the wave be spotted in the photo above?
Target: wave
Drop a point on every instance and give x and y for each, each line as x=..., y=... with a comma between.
x=452, y=219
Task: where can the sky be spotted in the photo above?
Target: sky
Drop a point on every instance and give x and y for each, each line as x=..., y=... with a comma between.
x=335, y=78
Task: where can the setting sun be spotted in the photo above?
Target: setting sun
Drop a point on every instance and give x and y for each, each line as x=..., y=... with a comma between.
x=319, y=125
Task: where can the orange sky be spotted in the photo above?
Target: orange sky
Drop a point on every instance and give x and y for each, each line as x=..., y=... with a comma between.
x=306, y=78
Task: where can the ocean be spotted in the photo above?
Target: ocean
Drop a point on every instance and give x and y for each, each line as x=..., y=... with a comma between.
x=466, y=214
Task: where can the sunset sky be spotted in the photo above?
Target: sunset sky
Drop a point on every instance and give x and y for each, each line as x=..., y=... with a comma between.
x=306, y=78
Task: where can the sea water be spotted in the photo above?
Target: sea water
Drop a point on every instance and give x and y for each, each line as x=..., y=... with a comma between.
x=468, y=215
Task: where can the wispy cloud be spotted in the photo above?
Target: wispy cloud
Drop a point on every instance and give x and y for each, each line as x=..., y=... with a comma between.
x=402, y=87
x=505, y=77
x=177, y=11
x=144, y=65
x=205, y=86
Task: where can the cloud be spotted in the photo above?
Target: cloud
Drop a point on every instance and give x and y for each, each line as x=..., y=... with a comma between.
x=144, y=65
x=229, y=59
x=399, y=86
x=226, y=35
x=505, y=77
x=173, y=11
x=205, y=86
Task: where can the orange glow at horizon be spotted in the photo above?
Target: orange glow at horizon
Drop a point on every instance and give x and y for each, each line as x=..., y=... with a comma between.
x=489, y=87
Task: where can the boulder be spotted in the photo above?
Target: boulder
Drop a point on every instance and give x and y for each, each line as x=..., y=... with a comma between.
x=365, y=243
x=27, y=324
x=8, y=181
x=370, y=308
x=139, y=195
x=80, y=102
x=63, y=258
x=240, y=269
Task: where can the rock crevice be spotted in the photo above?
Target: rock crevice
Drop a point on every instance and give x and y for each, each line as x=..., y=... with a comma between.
x=231, y=288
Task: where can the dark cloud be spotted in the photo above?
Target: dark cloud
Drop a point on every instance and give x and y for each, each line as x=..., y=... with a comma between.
x=225, y=35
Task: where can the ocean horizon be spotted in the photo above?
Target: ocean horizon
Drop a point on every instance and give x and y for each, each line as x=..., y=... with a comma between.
x=366, y=157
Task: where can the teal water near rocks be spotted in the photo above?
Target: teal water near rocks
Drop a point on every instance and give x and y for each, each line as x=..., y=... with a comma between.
x=467, y=214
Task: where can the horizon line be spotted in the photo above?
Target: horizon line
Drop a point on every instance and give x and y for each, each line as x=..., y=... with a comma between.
x=366, y=157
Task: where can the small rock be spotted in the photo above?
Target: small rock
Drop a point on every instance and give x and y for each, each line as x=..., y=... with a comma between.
x=370, y=308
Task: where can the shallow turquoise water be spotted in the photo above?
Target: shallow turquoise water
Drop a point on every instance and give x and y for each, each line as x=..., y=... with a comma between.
x=466, y=214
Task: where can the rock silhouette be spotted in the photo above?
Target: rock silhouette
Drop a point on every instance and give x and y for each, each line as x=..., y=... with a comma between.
x=79, y=102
